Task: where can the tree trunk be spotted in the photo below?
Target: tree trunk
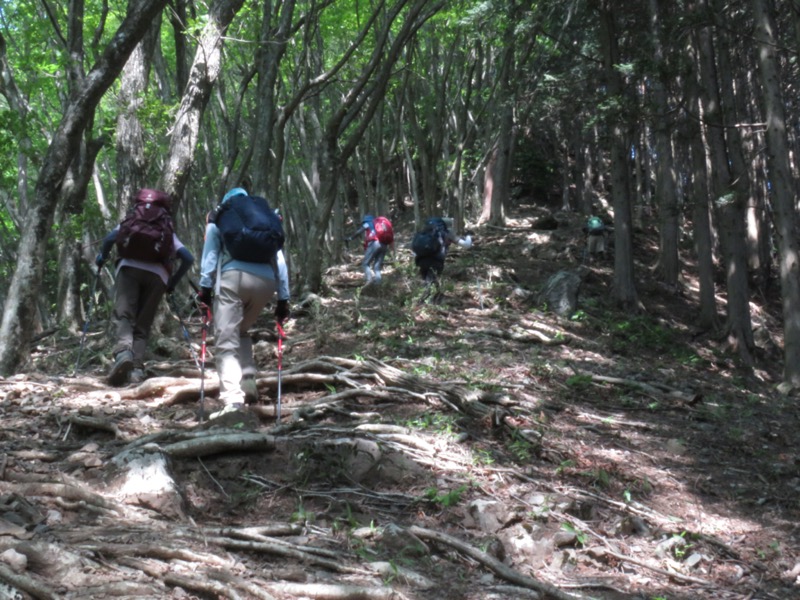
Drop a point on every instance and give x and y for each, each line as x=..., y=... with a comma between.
x=131, y=165
x=20, y=307
x=730, y=204
x=202, y=76
x=700, y=188
x=624, y=284
x=666, y=189
x=783, y=196
x=268, y=59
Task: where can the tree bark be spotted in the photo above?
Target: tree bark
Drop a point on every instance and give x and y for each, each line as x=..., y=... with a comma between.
x=703, y=235
x=202, y=76
x=131, y=163
x=19, y=312
x=728, y=197
x=273, y=44
x=624, y=284
x=783, y=195
x=666, y=189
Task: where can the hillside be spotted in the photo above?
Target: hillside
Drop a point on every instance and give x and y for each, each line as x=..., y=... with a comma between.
x=480, y=448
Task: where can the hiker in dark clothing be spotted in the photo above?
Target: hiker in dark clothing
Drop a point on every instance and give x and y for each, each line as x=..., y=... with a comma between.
x=143, y=274
x=430, y=246
x=595, y=231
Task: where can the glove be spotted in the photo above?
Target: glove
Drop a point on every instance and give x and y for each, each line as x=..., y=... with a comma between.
x=171, y=284
x=466, y=242
x=99, y=260
x=205, y=296
x=282, y=311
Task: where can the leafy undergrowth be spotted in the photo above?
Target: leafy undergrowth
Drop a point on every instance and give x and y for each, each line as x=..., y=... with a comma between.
x=479, y=448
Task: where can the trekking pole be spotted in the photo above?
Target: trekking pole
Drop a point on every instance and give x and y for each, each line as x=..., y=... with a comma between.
x=280, y=369
x=173, y=305
x=88, y=319
x=478, y=279
x=206, y=318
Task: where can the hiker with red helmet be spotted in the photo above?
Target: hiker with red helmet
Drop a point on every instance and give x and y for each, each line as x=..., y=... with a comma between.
x=146, y=247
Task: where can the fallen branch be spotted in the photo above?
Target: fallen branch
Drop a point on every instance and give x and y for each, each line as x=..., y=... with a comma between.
x=599, y=552
x=216, y=443
x=492, y=563
x=325, y=591
x=26, y=584
x=526, y=336
x=96, y=423
x=69, y=492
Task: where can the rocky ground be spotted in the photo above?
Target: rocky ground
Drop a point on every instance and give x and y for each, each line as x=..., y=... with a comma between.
x=481, y=448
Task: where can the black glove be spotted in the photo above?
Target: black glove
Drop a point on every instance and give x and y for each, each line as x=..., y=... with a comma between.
x=282, y=311
x=205, y=296
x=171, y=286
x=99, y=260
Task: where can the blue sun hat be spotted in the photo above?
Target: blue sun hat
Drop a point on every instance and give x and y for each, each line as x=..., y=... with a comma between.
x=234, y=192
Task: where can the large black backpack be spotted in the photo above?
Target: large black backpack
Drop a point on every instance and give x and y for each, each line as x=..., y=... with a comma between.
x=251, y=231
x=430, y=241
x=146, y=232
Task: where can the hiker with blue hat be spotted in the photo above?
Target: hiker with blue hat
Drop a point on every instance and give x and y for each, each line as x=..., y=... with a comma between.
x=378, y=237
x=242, y=269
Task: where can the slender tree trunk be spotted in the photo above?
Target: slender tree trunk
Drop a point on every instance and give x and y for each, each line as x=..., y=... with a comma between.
x=624, y=283
x=270, y=53
x=700, y=188
x=501, y=165
x=729, y=199
x=20, y=307
x=783, y=195
x=666, y=189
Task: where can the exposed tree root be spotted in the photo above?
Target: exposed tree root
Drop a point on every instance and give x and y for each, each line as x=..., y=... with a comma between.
x=492, y=563
x=27, y=584
x=324, y=591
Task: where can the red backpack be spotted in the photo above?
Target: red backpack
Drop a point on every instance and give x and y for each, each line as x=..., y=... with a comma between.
x=383, y=230
x=146, y=232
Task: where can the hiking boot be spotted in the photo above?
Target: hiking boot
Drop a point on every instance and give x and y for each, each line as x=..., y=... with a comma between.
x=250, y=389
x=123, y=363
x=226, y=410
x=136, y=376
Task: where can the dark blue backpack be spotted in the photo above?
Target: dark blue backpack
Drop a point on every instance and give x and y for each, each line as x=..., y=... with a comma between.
x=430, y=241
x=251, y=231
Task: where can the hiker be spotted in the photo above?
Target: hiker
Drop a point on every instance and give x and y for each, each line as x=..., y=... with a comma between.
x=242, y=269
x=430, y=247
x=378, y=236
x=595, y=231
x=146, y=246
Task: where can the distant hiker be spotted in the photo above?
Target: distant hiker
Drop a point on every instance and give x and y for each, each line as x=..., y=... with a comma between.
x=146, y=246
x=595, y=230
x=378, y=236
x=430, y=247
x=242, y=269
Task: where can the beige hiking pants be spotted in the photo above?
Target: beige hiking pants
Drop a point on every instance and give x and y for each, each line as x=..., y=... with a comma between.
x=239, y=301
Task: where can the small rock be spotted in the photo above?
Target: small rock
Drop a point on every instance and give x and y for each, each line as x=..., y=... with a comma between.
x=17, y=561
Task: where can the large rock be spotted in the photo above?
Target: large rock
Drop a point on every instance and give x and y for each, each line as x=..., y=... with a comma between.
x=560, y=293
